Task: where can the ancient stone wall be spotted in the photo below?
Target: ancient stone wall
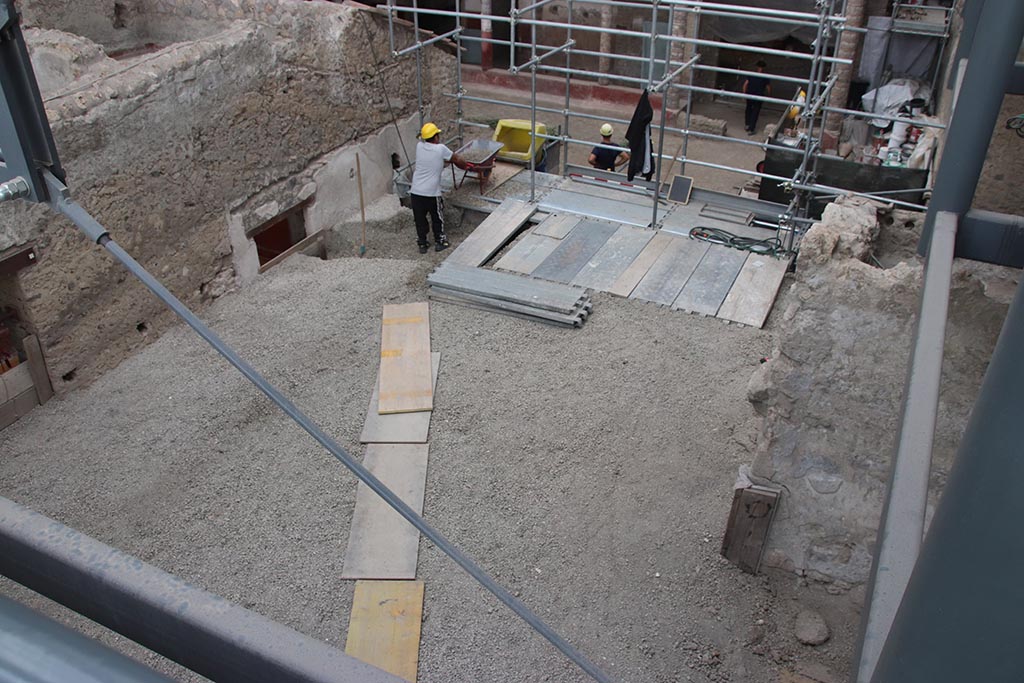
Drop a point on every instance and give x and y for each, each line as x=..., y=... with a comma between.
x=831, y=392
x=111, y=23
x=163, y=149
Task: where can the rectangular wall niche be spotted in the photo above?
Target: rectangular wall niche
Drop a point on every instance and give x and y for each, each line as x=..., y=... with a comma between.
x=279, y=234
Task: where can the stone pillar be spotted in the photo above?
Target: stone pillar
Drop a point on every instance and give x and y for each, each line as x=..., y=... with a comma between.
x=682, y=25
x=605, y=61
x=848, y=45
x=486, y=32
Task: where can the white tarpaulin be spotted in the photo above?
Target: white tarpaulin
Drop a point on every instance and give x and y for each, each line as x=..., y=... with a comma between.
x=890, y=97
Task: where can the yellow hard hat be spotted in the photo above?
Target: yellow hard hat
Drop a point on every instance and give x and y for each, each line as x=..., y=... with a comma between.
x=607, y=130
x=428, y=131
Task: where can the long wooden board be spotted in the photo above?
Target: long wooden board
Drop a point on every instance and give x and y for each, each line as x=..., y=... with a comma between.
x=399, y=427
x=753, y=294
x=557, y=225
x=381, y=544
x=384, y=628
x=528, y=253
x=613, y=258
x=706, y=289
x=670, y=272
x=493, y=234
x=625, y=283
x=405, y=384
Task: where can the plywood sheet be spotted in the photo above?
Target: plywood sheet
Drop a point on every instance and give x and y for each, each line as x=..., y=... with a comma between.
x=399, y=427
x=405, y=384
x=557, y=225
x=636, y=270
x=753, y=294
x=613, y=258
x=575, y=251
x=706, y=289
x=382, y=544
x=493, y=234
x=527, y=253
x=501, y=172
x=671, y=271
x=384, y=629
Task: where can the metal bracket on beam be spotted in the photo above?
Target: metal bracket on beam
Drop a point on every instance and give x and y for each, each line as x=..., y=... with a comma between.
x=675, y=74
x=422, y=44
x=536, y=60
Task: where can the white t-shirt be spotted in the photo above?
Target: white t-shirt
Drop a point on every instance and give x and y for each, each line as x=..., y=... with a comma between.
x=430, y=158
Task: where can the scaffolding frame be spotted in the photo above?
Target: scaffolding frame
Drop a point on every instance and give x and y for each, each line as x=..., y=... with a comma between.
x=828, y=22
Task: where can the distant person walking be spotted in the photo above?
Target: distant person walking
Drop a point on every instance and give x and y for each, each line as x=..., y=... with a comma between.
x=758, y=86
x=605, y=156
x=425, y=193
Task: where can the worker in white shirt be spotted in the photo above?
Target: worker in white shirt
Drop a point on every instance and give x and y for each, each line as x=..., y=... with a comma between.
x=431, y=158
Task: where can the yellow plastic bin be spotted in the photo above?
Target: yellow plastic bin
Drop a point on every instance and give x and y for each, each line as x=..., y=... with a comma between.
x=514, y=134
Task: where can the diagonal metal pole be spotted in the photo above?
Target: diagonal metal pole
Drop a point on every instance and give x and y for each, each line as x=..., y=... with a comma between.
x=61, y=202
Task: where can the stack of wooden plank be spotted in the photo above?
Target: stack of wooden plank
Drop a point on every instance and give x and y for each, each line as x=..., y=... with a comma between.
x=510, y=294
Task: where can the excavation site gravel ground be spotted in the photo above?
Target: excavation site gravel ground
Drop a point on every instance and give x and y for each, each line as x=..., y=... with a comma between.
x=590, y=471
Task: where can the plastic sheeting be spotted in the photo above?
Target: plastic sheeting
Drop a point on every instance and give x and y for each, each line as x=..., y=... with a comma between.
x=908, y=56
x=744, y=30
x=890, y=97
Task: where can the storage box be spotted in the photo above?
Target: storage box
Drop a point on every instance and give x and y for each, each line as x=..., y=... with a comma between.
x=518, y=143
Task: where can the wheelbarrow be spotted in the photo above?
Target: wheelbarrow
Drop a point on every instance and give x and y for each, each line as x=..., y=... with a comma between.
x=479, y=156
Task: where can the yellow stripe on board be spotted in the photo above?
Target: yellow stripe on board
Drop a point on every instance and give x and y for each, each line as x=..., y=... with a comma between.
x=391, y=353
x=384, y=629
x=403, y=321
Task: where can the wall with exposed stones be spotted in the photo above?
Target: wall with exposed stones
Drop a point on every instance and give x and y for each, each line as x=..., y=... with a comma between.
x=164, y=148
x=831, y=393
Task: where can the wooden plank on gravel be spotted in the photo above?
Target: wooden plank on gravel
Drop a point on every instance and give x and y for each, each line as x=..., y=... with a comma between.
x=405, y=384
x=399, y=427
x=381, y=544
x=710, y=283
x=753, y=294
x=671, y=271
x=493, y=234
x=576, y=249
x=527, y=254
x=557, y=226
x=384, y=628
x=625, y=283
x=747, y=530
x=613, y=258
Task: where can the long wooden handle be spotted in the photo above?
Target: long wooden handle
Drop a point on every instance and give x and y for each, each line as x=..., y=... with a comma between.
x=362, y=206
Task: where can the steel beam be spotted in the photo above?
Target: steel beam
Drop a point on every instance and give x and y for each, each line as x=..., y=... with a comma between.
x=901, y=527
x=34, y=649
x=991, y=237
x=199, y=630
x=960, y=615
x=991, y=61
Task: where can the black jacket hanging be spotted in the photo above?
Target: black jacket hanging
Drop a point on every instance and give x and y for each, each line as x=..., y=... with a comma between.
x=641, y=158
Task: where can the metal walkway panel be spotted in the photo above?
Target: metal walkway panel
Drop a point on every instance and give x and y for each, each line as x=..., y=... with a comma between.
x=604, y=269
x=562, y=201
x=707, y=288
x=528, y=253
x=671, y=271
x=575, y=250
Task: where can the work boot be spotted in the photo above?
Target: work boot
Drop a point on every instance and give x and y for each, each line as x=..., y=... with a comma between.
x=442, y=244
x=423, y=248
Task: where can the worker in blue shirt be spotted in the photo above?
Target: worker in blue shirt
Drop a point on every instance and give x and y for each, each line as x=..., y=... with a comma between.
x=604, y=157
x=755, y=85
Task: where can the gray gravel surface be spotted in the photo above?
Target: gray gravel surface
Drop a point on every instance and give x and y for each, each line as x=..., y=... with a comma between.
x=590, y=471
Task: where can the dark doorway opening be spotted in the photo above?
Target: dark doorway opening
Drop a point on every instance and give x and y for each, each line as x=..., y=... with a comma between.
x=280, y=234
